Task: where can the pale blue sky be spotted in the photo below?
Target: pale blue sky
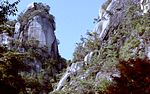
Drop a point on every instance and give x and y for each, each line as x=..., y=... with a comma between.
x=73, y=19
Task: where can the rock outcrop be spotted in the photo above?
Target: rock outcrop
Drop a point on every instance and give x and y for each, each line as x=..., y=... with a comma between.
x=36, y=24
x=71, y=71
x=121, y=37
x=34, y=36
x=110, y=18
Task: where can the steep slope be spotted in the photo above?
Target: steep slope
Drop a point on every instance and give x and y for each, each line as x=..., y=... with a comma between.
x=121, y=33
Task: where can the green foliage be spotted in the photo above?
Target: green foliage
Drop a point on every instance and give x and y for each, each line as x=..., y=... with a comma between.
x=87, y=86
x=32, y=42
x=18, y=76
x=105, y=5
x=10, y=65
x=79, y=52
x=133, y=28
x=102, y=87
x=126, y=51
x=86, y=45
x=7, y=9
x=93, y=42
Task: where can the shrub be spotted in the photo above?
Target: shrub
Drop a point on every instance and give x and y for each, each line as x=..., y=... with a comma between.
x=135, y=77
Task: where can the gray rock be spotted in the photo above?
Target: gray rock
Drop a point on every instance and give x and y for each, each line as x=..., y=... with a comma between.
x=62, y=81
x=88, y=57
x=76, y=67
x=103, y=75
x=111, y=18
x=107, y=75
x=147, y=51
x=17, y=30
x=86, y=73
x=30, y=6
x=71, y=71
x=38, y=25
x=5, y=39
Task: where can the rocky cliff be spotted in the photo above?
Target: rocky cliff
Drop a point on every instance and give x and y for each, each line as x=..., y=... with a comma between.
x=32, y=43
x=113, y=59
x=37, y=24
x=121, y=33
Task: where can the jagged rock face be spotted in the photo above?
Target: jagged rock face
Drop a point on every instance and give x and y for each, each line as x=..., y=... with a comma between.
x=120, y=40
x=40, y=29
x=4, y=38
x=37, y=24
x=147, y=50
x=35, y=32
x=112, y=16
x=71, y=70
x=88, y=57
x=34, y=36
x=17, y=30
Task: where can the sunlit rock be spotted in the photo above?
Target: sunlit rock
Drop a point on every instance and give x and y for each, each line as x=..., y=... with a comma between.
x=36, y=24
x=147, y=51
x=145, y=5
x=88, y=57
x=4, y=39
x=17, y=30
x=71, y=70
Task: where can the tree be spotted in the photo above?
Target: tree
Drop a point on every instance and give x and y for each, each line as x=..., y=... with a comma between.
x=7, y=9
x=135, y=77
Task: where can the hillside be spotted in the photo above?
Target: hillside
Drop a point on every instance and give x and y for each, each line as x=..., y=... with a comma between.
x=113, y=58
x=110, y=57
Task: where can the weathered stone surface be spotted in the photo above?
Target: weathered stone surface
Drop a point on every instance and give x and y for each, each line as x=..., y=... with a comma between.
x=5, y=39
x=17, y=30
x=147, y=50
x=105, y=67
x=88, y=57
x=111, y=17
x=71, y=70
x=36, y=24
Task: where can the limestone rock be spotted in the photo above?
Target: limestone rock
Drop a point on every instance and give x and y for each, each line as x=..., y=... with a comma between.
x=74, y=69
x=104, y=67
x=111, y=17
x=36, y=24
x=88, y=57
x=17, y=30
x=5, y=39
x=147, y=51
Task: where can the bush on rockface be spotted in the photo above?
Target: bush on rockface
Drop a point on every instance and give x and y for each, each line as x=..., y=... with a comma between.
x=123, y=43
x=86, y=45
x=15, y=75
x=10, y=65
x=16, y=67
x=18, y=73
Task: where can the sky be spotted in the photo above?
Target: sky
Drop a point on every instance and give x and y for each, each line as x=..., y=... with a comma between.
x=73, y=19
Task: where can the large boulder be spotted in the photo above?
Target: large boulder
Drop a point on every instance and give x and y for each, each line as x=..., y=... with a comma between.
x=34, y=36
x=36, y=24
